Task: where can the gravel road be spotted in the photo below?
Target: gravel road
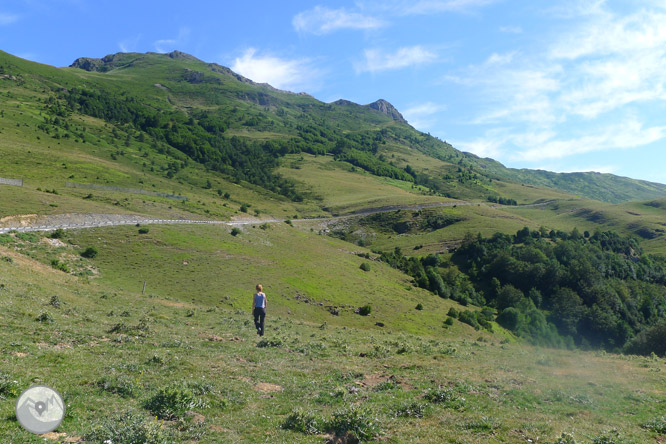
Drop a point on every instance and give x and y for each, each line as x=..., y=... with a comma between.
x=92, y=220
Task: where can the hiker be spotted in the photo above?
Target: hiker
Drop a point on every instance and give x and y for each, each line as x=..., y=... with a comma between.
x=259, y=309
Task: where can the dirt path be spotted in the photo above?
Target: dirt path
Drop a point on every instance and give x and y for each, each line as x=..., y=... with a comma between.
x=23, y=223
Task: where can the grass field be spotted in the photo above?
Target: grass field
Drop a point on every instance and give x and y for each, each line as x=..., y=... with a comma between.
x=112, y=351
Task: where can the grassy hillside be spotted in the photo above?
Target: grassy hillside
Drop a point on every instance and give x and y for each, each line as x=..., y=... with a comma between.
x=192, y=358
x=420, y=367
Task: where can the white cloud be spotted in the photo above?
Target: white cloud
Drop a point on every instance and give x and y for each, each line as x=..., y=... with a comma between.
x=7, y=19
x=278, y=72
x=130, y=44
x=482, y=147
x=377, y=60
x=422, y=116
x=322, y=20
x=629, y=134
x=167, y=45
x=606, y=67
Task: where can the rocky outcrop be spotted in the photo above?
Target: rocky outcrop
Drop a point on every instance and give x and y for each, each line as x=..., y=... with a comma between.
x=87, y=63
x=385, y=107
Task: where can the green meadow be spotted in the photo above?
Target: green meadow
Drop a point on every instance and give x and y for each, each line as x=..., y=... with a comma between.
x=182, y=362
x=355, y=350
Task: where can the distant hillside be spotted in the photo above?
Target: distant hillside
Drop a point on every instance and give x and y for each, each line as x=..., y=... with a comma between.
x=598, y=186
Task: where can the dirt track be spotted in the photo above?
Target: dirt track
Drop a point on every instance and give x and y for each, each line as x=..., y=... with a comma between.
x=23, y=223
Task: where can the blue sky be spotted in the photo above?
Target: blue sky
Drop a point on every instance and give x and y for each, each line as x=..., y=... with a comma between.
x=560, y=85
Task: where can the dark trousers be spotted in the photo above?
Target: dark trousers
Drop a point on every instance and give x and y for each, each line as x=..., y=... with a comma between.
x=259, y=315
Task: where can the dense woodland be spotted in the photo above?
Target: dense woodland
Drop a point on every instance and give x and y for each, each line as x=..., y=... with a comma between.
x=554, y=288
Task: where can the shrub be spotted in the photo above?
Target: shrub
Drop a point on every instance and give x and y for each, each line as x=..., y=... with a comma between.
x=469, y=318
x=650, y=340
x=449, y=321
x=57, y=234
x=235, y=231
x=453, y=313
x=44, y=317
x=365, y=266
x=419, y=306
x=90, y=252
x=356, y=420
x=128, y=427
x=144, y=230
x=55, y=301
x=510, y=318
x=55, y=263
x=172, y=402
x=243, y=208
x=304, y=422
x=364, y=310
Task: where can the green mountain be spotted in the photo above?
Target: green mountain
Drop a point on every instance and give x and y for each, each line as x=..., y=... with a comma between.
x=198, y=108
x=407, y=281
x=598, y=186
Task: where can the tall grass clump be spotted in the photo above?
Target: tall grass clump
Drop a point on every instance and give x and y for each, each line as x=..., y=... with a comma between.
x=173, y=401
x=304, y=422
x=128, y=427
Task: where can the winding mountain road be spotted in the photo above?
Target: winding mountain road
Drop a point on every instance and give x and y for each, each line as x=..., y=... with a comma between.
x=95, y=220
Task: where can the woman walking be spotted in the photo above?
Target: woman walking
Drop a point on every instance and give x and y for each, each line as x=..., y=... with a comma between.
x=259, y=309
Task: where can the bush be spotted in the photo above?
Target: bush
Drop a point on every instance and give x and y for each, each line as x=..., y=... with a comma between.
x=172, y=402
x=235, y=231
x=55, y=301
x=55, y=263
x=453, y=313
x=44, y=317
x=355, y=420
x=365, y=266
x=365, y=310
x=90, y=252
x=144, y=230
x=128, y=427
x=304, y=422
x=57, y=234
x=419, y=306
x=650, y=340
x=510, y=318
x=469, y=318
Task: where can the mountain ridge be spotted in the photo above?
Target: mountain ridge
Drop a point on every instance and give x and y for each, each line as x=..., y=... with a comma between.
x=377, y=129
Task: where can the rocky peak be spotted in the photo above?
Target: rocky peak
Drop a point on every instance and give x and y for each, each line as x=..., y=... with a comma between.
x=181, y=55
x=385, y=107
x=87, y=63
